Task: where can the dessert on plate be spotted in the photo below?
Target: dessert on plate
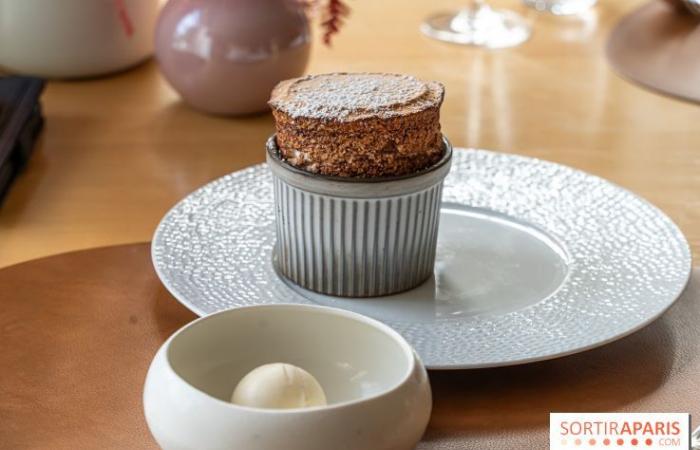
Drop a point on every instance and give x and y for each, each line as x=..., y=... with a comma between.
x=358, y=162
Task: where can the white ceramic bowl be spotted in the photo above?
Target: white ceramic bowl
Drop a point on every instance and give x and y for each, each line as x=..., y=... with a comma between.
x=377, y=388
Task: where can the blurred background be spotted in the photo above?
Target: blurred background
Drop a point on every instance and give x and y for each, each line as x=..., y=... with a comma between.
x=119, y=149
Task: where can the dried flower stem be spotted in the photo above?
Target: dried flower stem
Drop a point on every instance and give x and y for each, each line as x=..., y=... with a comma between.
x=333, y=14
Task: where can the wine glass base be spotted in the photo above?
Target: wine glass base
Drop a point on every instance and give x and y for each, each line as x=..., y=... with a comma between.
x=480, y=26
x=561, y=7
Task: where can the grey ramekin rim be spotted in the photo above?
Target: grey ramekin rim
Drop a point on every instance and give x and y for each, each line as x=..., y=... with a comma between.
x=273, y=152
x=355, y=187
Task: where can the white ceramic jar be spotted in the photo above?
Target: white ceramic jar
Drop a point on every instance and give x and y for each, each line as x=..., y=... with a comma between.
x=75, y=38
x=377, y=388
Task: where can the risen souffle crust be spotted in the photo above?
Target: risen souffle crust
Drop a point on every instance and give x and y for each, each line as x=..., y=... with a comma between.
x=358, y=124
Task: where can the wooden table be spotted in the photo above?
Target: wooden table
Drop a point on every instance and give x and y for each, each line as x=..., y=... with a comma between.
x=118, y=152
x=79, y=331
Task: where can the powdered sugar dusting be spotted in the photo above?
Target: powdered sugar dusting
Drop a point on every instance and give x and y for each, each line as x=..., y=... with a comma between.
x=343, y=96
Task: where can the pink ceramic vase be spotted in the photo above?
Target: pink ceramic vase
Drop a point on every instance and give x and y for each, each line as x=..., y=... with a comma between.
x=225, y=56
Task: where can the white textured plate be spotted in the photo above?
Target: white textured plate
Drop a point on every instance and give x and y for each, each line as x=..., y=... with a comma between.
x=535, y=260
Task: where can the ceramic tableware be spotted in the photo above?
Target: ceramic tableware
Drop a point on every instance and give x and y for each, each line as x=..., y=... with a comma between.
x=534, y=260
x=225, y=56
x=75, y=38
x=377, y=388
x=356, y=237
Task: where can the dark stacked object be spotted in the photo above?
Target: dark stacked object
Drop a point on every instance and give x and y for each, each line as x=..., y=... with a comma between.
x=20, y=123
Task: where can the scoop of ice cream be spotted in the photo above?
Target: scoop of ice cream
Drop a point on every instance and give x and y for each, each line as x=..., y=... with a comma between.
x=279, y=386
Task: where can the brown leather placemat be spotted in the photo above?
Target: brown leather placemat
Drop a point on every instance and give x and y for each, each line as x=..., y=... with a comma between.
x=658, y=48
x=79, y=330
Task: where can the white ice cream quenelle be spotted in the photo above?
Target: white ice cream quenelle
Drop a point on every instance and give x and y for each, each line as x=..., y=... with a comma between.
x=280, y=386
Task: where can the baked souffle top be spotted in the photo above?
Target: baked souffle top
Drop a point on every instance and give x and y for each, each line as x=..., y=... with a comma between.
x=358, y=124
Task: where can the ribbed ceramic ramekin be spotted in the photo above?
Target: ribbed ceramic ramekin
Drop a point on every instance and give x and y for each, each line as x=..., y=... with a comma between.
x=356, y=237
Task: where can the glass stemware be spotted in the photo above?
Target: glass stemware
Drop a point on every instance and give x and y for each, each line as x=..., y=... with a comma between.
x=478, y=24
x=561, y=7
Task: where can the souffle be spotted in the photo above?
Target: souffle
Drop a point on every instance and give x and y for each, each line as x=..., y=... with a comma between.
x=359, y=124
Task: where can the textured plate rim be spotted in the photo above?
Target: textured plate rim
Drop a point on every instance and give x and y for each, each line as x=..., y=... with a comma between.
x=466, y=366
